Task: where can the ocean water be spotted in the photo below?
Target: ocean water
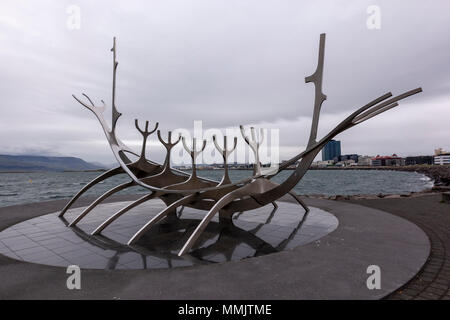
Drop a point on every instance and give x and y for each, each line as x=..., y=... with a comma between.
x=19, y=188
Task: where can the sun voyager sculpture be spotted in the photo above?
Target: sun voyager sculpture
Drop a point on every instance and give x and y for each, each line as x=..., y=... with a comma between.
x=225, y=198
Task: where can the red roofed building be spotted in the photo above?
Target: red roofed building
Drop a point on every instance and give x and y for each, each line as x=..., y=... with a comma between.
x=393, y=160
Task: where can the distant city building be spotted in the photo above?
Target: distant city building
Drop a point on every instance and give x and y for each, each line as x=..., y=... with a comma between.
x=331, y=150
x=443, y=158
x=411, y=161
x=326, y=163
x=346, y=157
x=346, y=160
x=346, y=163
x=364, y=160
x=393, y=160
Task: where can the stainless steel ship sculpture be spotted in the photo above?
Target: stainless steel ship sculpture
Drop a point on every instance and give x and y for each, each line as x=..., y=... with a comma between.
x=225, y=198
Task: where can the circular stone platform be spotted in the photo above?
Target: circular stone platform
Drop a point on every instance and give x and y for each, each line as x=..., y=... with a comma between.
x=47, y=240
x=332, y=267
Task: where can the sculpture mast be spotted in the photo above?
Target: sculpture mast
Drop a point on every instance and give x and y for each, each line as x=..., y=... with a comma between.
x=115, y=114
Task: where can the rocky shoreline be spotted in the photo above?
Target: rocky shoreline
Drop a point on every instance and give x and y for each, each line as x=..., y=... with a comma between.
x=374, y=196
x=439, y=174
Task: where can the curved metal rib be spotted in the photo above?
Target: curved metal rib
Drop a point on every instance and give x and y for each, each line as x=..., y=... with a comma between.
x=100, y=178
x=116, y=215
x=100, y=199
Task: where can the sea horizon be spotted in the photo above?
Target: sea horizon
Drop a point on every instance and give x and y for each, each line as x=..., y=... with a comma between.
x=28, y=187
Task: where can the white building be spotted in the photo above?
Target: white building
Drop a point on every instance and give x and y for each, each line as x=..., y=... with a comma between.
x=364, y=160
x=346, y=163
x=443, y=158
x=326, y=163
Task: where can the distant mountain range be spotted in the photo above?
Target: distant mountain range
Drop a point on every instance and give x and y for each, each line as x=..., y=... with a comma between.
x=43, y=163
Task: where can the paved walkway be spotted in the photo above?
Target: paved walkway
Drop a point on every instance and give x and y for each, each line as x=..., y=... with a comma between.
x=333, y=267
x=432, y=216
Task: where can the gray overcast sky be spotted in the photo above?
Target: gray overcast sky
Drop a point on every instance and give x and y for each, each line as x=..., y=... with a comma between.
x=226, y=63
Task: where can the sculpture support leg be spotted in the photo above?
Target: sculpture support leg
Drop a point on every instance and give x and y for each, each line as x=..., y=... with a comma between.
x=100, y=199
x=116, y=215
x=100, y=178
x=202, y=225
x=160, y=216
x=300, y=201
